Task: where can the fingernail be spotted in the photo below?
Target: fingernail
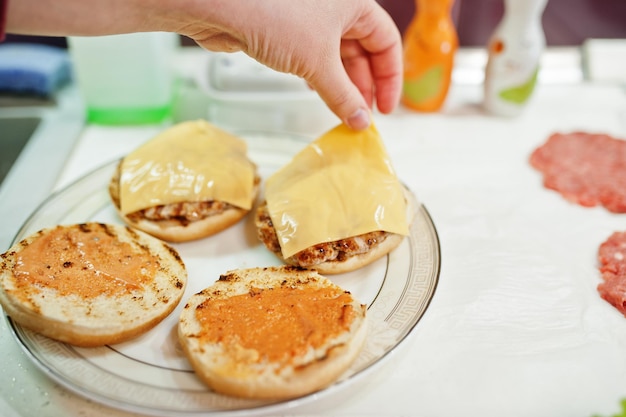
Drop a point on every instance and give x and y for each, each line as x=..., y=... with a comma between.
x=359, y=120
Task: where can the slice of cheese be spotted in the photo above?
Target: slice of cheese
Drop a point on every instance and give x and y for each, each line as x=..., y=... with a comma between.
x=341, y=185
x=189, y=162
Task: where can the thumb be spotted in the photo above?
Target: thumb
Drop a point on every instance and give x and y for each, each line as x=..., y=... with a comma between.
x=342, y=97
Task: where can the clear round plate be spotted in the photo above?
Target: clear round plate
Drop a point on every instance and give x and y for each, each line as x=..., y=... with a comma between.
x=150, y=374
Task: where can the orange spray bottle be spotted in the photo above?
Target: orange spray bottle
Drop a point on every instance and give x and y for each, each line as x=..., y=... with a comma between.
x=430, y=43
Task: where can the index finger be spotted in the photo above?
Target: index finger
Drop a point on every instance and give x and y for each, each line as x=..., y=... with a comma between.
x=377, y=43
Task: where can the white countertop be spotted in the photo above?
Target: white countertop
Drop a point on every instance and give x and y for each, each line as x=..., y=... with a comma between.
x=516, y=326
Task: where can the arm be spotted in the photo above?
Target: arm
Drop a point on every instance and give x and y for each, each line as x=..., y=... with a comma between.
x=81, y=17
x=349, y=51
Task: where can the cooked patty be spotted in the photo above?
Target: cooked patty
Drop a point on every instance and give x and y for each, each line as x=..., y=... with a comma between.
x=183, y=212
x=338, y=250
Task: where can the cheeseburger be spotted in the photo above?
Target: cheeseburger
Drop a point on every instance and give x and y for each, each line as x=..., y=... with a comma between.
x=190, y=181
x=337, y=206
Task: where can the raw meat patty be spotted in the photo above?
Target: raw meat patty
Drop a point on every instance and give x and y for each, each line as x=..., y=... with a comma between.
x=587, y=169
x=612, y=258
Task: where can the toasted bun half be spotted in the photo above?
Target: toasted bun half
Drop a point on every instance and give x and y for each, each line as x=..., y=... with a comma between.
x=90, y=284
x=175, y=229
x=272, y=333
x=353, y=253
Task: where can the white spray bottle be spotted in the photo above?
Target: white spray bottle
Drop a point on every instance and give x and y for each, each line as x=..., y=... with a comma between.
x=514, y=53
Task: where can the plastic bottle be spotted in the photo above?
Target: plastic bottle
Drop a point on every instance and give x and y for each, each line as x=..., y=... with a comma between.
x=514, y=52
x=125, y=79
x=430, y=43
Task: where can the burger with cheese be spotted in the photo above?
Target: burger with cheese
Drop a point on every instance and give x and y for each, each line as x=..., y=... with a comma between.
x=337, y=206
x=190, y=181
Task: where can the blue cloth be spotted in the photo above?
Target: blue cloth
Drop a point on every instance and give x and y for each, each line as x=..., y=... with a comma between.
x=33, y=68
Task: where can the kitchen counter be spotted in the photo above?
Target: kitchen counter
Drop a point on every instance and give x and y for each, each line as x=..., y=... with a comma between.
x=56, y=125
x=515, y=327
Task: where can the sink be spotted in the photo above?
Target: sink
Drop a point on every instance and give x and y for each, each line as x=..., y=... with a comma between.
x=36, y=139
x=14, y=134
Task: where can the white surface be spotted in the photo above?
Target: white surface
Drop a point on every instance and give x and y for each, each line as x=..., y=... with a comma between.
x=605, y=60
x=516, y=326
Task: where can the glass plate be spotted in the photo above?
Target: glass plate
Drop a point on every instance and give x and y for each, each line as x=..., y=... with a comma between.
x=150, y=374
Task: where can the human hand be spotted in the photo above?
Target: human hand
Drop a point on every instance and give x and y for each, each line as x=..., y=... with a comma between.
x=348, y=51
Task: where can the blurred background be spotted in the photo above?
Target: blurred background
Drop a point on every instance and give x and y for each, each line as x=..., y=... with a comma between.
x=565, y=22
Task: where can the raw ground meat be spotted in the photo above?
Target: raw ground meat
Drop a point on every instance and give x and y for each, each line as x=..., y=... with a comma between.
x=585, y=168
x=612, y=258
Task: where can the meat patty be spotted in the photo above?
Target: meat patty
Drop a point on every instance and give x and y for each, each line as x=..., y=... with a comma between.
x=612, y=259
x=184, y=212
x=587, y=169
x=338, y=250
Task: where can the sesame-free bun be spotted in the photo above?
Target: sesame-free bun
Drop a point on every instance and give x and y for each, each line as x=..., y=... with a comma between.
x=173, y=229
x=90, y=284
x=271, y=333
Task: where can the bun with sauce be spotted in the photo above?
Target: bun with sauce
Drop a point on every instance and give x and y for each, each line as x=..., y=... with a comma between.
x=90, y=284
x=272, y=333
x=189, y=182
x=337, y=206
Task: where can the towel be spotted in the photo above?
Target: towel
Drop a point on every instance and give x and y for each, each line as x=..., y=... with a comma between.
x=33, y=68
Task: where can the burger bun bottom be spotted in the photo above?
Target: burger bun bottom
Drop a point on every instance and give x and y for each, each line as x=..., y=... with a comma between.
x=357, y=261
x=176, y=231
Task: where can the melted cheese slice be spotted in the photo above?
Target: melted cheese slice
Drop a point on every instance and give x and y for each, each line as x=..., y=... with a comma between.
x=189, y=162
x=341, y=185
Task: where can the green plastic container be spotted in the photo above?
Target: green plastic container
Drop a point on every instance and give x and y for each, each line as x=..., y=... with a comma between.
x=128, y=116
x=125, y=79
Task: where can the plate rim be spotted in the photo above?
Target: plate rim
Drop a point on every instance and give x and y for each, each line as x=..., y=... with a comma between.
x=52, y=372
